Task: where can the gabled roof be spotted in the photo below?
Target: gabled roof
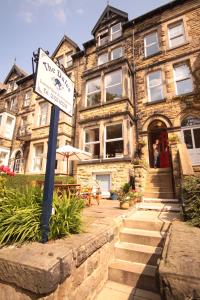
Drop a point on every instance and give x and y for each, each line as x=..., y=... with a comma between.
x=65, y=38
x=16, y=69
x=106, y=11
x=2, y=87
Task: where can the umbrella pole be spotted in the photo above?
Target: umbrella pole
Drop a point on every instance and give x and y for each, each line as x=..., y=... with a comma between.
x=67, y=165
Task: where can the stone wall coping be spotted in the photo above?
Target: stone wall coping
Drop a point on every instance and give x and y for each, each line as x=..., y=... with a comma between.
x=40, y=268
x=104, y=161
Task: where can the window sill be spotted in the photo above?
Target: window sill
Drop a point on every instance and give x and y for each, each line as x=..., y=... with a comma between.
x=105, y=160
x=106, y=103
x=183, y=96
x=174, y=48
x=156, y=102
x=152, y=55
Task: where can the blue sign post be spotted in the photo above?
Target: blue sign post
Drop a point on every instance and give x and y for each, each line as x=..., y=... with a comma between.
x=52, y=84
x=50, y=172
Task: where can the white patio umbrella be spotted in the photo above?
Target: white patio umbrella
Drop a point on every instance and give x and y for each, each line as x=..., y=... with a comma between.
x=68, y=152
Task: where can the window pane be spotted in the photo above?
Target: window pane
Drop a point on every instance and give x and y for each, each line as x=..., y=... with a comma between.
x=114, y=92
x=197, y=137
x=182, y=72
x=114, y=131
x=93, y=85
x=152, y=49
x=184, y=86
x=61, y=60
x=116, y=27
x=190, y=121
x=151, y=38
x=103, y=58
x=155, y=79
x=177, y=41
x=94, y=149
x=114, y=149
x=115, y=31
x=116, y=53
x=188, y=139
x=93, y=99
x=176, y=30
x=69, y=60
x=113, y=78
x=92, y=135
x=156, y=93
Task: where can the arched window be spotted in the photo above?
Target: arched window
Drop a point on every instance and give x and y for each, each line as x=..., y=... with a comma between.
x=17, y=161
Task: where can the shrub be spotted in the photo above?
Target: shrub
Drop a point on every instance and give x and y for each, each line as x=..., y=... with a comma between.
x=19, y=180
x=20, y=215
x=191, y=198
x=126, y=187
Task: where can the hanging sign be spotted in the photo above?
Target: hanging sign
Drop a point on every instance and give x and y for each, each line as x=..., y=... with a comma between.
x=53, y=84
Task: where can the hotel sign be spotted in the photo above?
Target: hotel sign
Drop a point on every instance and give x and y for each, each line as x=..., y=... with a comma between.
x=53, y=84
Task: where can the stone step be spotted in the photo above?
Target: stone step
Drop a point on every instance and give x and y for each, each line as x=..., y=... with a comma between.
x=137, y=253
x=158, y=189
x=137, y=275
x=164, y=195
x=147, y=225
x=158, y=184
x=141, y=236
x=159, y=206
x=159, y=171
x=117, y=291
x=160, y=200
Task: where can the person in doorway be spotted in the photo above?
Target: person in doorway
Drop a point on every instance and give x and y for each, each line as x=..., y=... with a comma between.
x=156, y=153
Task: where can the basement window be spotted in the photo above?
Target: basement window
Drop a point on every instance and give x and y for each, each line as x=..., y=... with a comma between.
x=92, y=143
x=114, y=144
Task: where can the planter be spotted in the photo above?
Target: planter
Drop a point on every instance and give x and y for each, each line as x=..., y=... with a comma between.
x=113, y=196
x=132, y=202
x=124, y=205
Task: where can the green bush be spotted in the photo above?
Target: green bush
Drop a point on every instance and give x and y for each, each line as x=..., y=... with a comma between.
x=191, y=198
x=20, y=215
x=19, y=181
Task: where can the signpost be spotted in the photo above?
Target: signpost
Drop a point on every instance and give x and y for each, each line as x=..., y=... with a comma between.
x=55, y=86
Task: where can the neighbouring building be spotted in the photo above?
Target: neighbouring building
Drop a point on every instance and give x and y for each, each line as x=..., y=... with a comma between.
x=136, y=81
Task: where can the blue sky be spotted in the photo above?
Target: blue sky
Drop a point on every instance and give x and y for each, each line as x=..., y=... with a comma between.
x=26, y=25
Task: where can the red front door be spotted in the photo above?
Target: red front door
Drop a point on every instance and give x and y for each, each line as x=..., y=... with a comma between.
x=164, y=150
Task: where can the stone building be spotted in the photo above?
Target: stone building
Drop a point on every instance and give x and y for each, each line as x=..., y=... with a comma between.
x=136, y=81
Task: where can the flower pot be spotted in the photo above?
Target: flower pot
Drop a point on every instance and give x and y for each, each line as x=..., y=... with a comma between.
x=124, y=205
x=131, y=202
x=113, y=196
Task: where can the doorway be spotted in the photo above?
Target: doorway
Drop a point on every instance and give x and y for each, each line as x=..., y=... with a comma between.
x=158, y=131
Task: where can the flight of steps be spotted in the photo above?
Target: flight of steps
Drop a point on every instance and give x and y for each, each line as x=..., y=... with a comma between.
x=133, y=274
x=158, y=194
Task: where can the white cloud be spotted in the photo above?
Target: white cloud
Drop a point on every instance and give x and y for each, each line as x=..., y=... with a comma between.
x=60, y=15
x=80, y=11
x=27, y=16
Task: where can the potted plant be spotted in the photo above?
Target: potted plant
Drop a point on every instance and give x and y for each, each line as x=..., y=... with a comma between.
x=113, y=195
x=124, y=202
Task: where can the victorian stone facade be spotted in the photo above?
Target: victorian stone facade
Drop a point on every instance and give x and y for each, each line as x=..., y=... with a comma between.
x=136, y=81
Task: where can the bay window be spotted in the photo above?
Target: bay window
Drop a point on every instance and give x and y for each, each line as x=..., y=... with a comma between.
x=113, y=85
x=183, y=80
x=92, y=142
x=114, y=145
x=176, y=34
x=155, y=86
x=93, y=92
x=151, y=45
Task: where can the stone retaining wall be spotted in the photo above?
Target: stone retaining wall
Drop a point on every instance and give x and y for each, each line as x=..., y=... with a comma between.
x=74, y=268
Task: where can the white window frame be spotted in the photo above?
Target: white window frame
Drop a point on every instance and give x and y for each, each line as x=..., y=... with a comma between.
x=8, y=133
x=27, y=98
x=69, y=60
x=13, y=103
x=94, y=92
x=116, y=84
x=104, y=38
x=40, y=117
x=149, y=88
x=178, y=80
x=40, y=157
x=113, y=140
x=92, y=143
x=6, y=158
x=112, y=33
x=172, y=25
x=155, y=43
x=120, y=47
x=100, y=55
